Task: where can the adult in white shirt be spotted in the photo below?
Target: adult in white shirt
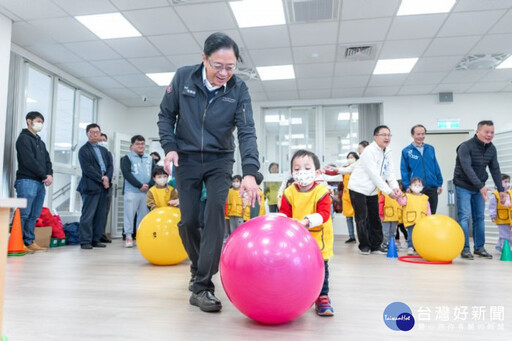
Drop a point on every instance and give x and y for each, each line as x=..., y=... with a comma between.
x=372, y=172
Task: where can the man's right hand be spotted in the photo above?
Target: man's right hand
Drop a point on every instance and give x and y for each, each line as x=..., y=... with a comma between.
x=484, y=191
x=144, y=188
x=170, y=157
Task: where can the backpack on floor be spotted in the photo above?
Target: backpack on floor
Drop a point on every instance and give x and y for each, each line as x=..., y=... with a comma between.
x=72, y=234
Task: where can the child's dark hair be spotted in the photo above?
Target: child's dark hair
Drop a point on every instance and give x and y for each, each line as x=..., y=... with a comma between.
x=235, y=177
x=413, y=180
x=158, y=170
x=289, y=182
x=354, y=154
x=505, y=177
x=302, y=153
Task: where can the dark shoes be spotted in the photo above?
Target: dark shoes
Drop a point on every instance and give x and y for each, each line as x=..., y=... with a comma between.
x=350, y=240
x=98, y=244
x=105, y=239
x=86, y=246
x=466, y=254
x=482, y=253
x=191, y=283
x=206, y=301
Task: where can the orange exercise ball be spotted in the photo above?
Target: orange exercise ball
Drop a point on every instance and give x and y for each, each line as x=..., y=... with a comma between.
x=438, y=238
x=158, y=238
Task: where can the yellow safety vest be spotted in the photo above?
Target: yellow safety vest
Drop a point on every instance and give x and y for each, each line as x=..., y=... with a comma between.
x=162, y=196
x=392, y=210
x=348, y=210
x=303, y=204
x=415, y=209
x=502, y=212
x=235, y=203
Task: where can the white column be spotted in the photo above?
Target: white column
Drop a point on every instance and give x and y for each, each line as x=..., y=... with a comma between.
x=5, y=53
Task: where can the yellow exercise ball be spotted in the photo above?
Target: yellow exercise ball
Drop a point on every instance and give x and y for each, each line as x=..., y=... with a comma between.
x=158, y=238
x=438, y=238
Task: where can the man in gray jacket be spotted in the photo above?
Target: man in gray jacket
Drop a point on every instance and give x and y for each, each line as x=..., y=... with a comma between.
x=199, y=112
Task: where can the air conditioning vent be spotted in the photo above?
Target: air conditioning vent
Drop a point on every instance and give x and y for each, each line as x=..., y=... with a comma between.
x=366, y=52
x=481, y=61
x=303, y=11
x=247, y=74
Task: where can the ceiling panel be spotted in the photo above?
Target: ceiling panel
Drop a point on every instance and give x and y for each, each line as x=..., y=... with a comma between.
x=313, y=70
x=54, y=53
x=416, y=26
x=156, y=21
x=418, y=78
x=464, y=76
x=185, y=59
x=404, y=48
x=63, y=30
x=133, y=47
x=102, y=82
x=115, y=67
x=433, y=64
x=152, y=64
x=85, y=7
x=29, y=9
x=279, y=85
x=172, y=44
x=355, y=68
x=314, y=34
x=357, y=31
x=200, y=18
x=381, y=91
x=451, y=46
x=348, y=92
x=416, y=89
x=457, y=88
x=124, y=5
x=280, y=95
x=315, y=94
x=469, y=23
x=363, y=9
x=387, y=80
x=265, y=37
x=479, y=5
x=503, y=26
x=495, y=43
x=498, y=75
x=268, y=57
x=350, y=81
x=81, y=69
x=314, y=83
x=487, y=87
x=92, y=50
x=135, y=81
x=314, y=54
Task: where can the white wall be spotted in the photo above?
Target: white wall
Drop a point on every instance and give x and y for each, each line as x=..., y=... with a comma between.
x=5, y=50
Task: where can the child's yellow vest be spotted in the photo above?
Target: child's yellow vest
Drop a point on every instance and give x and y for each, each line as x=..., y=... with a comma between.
x=415, y=209
x=392, y=210
x=303, y=204
x=162, y=196
x=235, y=203
x=502, y=212
x=348, y=210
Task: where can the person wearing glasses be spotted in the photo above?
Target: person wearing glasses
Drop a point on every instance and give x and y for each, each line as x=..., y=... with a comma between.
x=97, y=171
x=199, y=112
x=372, y=172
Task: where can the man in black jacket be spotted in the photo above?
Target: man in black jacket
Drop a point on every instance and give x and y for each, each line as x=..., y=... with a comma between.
x=469, y=177
x=33, y=174
x=97, y=170
x=199, y=112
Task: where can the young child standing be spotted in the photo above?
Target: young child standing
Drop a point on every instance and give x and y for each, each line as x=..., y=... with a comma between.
x=500, y=213
x=234, y=204
x=415, y=206
x=161, y=194
x=390, y=213
x=310, y=204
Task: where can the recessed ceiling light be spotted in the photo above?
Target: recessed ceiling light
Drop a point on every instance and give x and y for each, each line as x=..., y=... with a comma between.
x=506, y=64
x=109, y=26
x=254, y=13
x=391, y=66
x=412, y=7
x=270, y=73
x=161, y=78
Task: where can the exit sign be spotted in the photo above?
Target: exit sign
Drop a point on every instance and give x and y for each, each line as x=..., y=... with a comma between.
x=448, y=124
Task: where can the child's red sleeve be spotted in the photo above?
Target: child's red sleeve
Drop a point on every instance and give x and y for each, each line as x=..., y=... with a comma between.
x=323, y=207
x=382, y=200
x=286, y=208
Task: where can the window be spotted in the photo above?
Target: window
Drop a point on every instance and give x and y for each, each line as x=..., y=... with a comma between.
x=38, y=97
x=341, y=137
x=64, y=113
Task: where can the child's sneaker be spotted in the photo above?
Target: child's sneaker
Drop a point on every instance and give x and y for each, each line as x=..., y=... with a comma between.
x=410, y=251
x=323, y=306
x=128, y=242
x=403, y=245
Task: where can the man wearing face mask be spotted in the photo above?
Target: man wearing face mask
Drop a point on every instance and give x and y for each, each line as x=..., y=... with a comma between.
x=33, y=174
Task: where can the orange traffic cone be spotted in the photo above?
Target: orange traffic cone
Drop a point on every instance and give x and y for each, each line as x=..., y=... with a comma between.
x=16, y=246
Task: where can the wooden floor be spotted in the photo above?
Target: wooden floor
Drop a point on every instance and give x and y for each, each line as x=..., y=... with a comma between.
x=114, y=294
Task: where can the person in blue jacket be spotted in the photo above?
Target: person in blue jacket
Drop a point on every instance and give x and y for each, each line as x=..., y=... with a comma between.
x=419, y=161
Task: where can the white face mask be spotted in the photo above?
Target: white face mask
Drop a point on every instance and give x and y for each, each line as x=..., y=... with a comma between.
x=416, y=189
x=351, y=161
x=161, y=181
x=37, y=126
x=304, y=177
x=505, y=185
x=236, y=185
x=103, y=144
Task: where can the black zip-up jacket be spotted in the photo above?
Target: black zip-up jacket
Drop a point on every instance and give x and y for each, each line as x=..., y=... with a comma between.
x=33, y=159
x=188, y=124
x=473, y=157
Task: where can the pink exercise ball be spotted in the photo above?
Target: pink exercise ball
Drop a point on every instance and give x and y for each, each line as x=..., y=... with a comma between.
x=272, y=269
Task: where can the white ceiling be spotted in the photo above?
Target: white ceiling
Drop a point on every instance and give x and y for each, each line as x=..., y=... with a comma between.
x=173, y=32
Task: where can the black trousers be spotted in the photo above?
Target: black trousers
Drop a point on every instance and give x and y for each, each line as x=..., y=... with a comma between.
x=369, y=227
x=92, y=220
x=431, y=192
x=204, y=248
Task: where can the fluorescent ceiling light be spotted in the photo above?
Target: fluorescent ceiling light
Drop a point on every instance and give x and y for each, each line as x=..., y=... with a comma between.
x=412, y=7
x=161, y=78
x=506, y=64
x=254, y=13
x=109, y=26
x=271, y=118
x=392, y=66
x=270, y=73
x=343, y=116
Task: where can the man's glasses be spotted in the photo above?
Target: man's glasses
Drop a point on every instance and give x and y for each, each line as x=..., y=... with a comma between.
x=91, y=132
x=384, y=135
x=219, y=67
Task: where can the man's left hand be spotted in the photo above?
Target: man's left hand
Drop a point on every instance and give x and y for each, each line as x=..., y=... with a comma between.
x=250, y=187
x=439, y=190
x=48, y=181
